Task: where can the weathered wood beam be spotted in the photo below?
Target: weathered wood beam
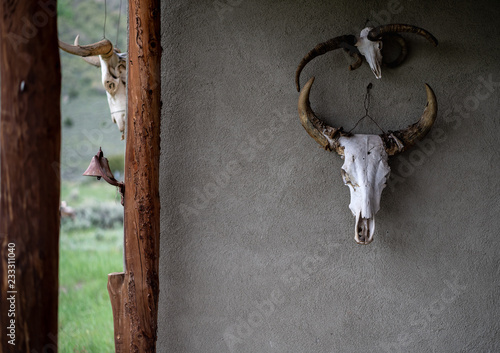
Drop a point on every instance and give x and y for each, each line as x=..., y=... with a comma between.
x=134, y=293
x=30, y=142
x=120, y=323
x=142, y=198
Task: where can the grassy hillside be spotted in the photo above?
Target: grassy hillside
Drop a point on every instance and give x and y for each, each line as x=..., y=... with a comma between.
x=91, y=244
x=85, y=113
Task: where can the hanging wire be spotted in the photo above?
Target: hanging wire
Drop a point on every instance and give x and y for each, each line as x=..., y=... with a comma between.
x=118, y=27
x=105, y=17
x=367, y=106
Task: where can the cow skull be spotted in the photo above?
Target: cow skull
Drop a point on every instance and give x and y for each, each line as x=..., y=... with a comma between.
x=365, y=170
x=114, y=74
x=371, y=50
x=368, y=45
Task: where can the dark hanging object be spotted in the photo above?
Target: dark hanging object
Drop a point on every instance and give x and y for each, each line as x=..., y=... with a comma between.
x=99, y=168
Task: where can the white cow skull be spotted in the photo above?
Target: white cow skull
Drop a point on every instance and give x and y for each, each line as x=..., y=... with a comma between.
x=365, y=172
x=371, y=50
x=114, y=74
x=365, y=168
x=114, y=78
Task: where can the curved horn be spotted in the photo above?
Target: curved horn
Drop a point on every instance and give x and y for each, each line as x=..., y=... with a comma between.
x=92, y=60
x=357, y=63
x=398, y=141
x=322, y=133
x=346, y=42
x=402, y=55
x=103, y=48
x=378, y=32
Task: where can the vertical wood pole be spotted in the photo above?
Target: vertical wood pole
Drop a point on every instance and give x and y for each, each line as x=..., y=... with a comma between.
x=30, y=142
x=134, y=294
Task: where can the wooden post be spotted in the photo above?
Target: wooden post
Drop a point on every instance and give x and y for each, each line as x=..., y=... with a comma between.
x=30, y=142
x=134, y=293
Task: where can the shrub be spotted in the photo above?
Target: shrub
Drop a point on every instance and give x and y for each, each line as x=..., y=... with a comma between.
x=105, y=215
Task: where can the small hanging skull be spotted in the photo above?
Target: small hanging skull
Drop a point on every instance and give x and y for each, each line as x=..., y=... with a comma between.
x=368, y=45
x=371, y=50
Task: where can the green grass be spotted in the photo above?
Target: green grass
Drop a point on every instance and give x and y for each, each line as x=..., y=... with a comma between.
x=87, y=192
x=87, y=255
x=91, y=246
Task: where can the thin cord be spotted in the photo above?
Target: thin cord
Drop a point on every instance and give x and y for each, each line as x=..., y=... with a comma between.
x=367, y=106
x=118, y=27
x=105, y=16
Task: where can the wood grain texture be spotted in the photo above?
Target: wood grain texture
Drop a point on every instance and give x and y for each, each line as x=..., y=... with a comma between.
x=138, y=296
x=115, y=290
x=30, y=142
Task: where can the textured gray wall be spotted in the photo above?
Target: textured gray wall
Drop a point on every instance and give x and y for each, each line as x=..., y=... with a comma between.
x=257, y=238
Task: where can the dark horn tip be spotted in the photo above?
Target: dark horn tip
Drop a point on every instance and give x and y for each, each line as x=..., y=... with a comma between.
x=432, y=39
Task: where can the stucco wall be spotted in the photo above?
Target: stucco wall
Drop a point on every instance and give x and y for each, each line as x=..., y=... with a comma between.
x=257, y=249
